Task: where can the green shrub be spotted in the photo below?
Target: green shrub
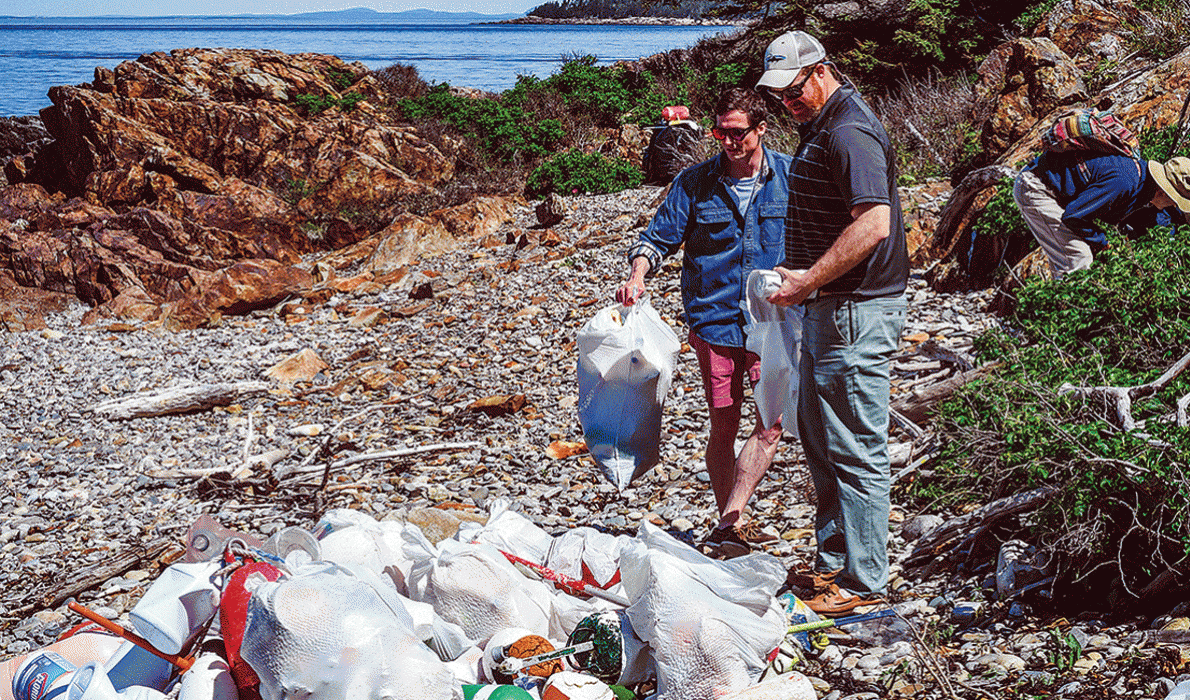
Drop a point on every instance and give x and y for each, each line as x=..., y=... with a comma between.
x=340, y=78
x=574, y=171
x=1157, y=144
x=1000, y=216
x=911, y=37
x=607, y=95
x=498, y=126
x=315, y=104
x=1121, y=323
x=350, y=101
x=1032, y=16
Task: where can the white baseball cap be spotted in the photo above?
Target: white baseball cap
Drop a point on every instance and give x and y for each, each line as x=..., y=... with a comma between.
x=786, y=56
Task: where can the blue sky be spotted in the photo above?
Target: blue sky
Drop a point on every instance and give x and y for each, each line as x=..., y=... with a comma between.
x=89, y=8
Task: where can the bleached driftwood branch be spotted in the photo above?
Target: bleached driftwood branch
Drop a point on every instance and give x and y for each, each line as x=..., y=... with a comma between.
x=181, y=399
x=917, y=406
x=945, y=540
x=375, y=457
x=1122, y=396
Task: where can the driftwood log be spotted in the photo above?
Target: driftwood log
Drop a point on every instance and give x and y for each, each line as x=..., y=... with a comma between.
x=100, y=572
x=957, y=213
x=917, y=406
x=953, y=536
x=182, y=399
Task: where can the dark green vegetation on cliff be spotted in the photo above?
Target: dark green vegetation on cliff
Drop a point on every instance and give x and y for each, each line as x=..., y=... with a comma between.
x=619, y=9
x=1119, y=518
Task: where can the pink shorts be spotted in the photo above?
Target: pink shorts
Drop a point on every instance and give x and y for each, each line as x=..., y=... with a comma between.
x=723, y=371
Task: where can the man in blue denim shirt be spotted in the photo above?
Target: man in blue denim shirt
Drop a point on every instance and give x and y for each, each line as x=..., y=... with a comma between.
x=729, y=212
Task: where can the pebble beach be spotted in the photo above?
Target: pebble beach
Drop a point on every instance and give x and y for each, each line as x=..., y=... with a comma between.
x=466, y=365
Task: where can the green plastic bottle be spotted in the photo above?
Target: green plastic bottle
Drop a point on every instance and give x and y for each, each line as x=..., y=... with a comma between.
x=495, y=692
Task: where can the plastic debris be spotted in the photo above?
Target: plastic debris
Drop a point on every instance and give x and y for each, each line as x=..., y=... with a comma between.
x=365, y=609
x=178, y=604
x=495, y=692
x=514, y=644
x=571, y=685
x=624, y=374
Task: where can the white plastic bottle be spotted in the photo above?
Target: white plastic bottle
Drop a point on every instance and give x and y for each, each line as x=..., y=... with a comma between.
x=43, y=676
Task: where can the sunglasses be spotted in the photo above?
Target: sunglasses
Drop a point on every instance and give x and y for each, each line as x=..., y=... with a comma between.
x=792, y=92
x=734, y=134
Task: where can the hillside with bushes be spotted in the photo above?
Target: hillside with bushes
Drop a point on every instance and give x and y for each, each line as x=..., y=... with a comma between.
x=620, y=9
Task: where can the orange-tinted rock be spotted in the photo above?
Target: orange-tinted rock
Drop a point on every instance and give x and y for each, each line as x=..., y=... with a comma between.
x=301, y=366
x=1025, y=79
x=498, y=405
x=196, y=177
x=1078, y=27
x=409, y=237
x=561, y=449
x=23, y=308
x=253, y=284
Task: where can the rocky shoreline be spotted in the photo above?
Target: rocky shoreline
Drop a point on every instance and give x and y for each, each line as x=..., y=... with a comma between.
x=630, y=21
x=472, y=347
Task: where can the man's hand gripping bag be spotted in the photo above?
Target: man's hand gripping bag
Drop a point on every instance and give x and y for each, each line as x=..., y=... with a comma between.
x=626, y=360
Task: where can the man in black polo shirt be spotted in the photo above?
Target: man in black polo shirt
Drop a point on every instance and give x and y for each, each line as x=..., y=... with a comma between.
x=846, y=260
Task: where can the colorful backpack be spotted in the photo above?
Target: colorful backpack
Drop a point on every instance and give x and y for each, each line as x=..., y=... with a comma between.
x=1088, y=129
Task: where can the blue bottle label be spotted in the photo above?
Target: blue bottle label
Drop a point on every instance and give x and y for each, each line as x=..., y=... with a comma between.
x=39, y=675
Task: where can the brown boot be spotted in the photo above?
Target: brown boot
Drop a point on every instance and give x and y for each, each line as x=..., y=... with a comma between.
x=836, y=602
x=813, y=582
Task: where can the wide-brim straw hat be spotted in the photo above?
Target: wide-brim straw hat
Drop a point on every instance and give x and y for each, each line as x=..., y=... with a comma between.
x=1173, y=177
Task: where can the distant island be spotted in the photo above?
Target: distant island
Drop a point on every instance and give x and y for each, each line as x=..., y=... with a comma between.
x=642, y=21
x=622, y=11
x=359, y=15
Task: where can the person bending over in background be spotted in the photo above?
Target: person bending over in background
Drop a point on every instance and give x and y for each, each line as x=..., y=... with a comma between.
x=729, y=212
x=1063, y=195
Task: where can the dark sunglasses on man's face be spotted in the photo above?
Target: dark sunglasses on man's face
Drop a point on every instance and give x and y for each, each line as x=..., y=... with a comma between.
x=792, y=92
x=735, y=134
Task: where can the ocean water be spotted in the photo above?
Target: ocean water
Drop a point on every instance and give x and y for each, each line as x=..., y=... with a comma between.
x=36, y=55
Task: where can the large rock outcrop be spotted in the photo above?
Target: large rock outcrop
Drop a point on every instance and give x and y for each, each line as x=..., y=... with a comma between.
x=189, y=184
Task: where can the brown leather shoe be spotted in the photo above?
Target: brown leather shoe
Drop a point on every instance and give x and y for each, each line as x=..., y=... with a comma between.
x=724, y=543
x=751, y=533
x=815, y=581
x=836, y=602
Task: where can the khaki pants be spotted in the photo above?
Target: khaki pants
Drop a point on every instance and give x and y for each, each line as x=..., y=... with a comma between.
x=842, y=418
x=1066, y=251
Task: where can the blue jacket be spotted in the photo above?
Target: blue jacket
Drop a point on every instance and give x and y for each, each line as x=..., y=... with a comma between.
x=723, y=244
x=1105, y=187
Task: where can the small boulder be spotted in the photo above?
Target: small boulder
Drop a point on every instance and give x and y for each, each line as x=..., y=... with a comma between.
x=552, y=210
x=919, y=526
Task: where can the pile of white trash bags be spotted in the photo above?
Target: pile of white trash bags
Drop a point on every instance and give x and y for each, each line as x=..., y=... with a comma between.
x=365, y=609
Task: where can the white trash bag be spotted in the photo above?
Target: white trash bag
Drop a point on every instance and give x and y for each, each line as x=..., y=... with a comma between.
x=327, y=634
x=775, y=335
x=626, y=360
x=710, y=623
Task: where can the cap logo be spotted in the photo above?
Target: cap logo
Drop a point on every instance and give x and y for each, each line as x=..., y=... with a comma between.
x=776, y=57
